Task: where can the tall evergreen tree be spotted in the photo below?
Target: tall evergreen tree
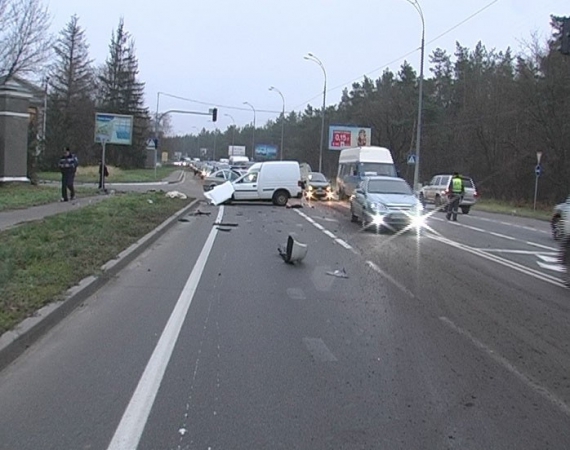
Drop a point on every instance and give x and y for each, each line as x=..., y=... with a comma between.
x=71, y=97
x=122, y=93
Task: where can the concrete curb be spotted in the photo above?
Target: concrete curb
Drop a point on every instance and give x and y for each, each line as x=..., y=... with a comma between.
x=14, y=342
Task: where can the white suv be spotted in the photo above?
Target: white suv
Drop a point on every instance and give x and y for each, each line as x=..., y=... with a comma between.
x=436, y=192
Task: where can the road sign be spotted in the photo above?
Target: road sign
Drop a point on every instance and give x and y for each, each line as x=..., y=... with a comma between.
x=411, y=159
x=151, y=144
x=538, y=170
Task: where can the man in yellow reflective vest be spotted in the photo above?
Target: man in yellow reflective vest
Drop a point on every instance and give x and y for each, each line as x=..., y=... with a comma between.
x=455, y=191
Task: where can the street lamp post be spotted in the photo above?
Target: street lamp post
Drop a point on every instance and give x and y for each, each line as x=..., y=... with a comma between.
x=253, y=138
x=272, y=88
x=418, y=8
x=311, y=57
x=233, y=131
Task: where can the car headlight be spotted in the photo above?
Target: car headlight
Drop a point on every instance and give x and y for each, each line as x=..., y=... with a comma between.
x=378, y=207
x=310, y=188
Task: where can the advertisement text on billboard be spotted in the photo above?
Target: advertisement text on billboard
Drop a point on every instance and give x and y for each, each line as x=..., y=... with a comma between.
x=343, y=136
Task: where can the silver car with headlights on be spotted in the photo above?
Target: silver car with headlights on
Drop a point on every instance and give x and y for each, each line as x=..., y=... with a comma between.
x=386, y=203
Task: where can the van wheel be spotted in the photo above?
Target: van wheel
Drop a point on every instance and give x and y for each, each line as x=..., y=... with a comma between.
x=280, y=198
x=437, y=201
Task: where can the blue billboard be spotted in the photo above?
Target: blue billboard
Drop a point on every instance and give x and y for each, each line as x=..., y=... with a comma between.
x=265, y=152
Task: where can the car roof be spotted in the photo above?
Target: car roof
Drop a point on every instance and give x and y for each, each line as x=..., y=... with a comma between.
x=383, y=177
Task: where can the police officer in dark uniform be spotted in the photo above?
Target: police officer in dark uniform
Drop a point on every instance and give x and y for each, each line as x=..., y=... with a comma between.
x=455, y=189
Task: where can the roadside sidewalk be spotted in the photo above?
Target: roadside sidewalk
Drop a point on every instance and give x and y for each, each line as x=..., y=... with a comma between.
x=11, y=218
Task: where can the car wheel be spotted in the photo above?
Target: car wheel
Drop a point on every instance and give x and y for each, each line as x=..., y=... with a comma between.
x=437, y=202
x=422, y=199
x=280, y=198
x=353, y=217
x=556, y=227
x=465, y=209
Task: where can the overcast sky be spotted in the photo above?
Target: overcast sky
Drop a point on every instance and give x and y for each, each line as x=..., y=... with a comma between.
x=226, y=52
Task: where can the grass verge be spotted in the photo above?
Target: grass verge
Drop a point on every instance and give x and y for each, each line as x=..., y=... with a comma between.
x=17, y=196
x=40, y=261
x=514, y=209
x=90, y=174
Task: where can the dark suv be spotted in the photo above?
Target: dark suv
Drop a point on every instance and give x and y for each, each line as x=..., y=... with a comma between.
x=436, y=192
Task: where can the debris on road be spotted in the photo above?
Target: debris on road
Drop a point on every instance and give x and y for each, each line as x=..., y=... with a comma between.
x=224, y=229
x=294, y=251
x=220, y=194
x=295, y=206
x=176, y=194
x=338, y=273
x=222, y=224
x=201, y=213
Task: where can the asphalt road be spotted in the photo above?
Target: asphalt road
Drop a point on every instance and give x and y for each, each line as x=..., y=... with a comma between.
x=456, y=338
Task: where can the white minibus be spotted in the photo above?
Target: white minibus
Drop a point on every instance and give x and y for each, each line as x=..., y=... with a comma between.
x=356, y=163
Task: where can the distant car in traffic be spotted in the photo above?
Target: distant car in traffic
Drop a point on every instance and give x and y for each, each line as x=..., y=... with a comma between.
x=317, y=186
x=386, y=202
x=435, y=192
x=219, y=177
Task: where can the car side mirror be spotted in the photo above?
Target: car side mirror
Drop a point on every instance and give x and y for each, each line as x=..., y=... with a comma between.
x=359, y=191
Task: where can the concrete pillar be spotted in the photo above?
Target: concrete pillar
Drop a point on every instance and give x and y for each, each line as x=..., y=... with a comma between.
x=14, y=121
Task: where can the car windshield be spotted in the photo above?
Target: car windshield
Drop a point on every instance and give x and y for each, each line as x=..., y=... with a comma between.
x=378, y=169
x=317, y=176
x=389, y=187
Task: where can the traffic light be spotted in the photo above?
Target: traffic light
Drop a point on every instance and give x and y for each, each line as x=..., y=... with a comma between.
x=214, y=114
x=565, y=40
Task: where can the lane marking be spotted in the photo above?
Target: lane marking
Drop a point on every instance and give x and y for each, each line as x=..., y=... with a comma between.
x=499, y=235
x=502, y=361
x=128, y=434
x=343, y=243
x=504, y=236
x=515, y=252
x=319, y=350
x=511, y=264
x=396, y=283
x=554, y=267
x=327, y=232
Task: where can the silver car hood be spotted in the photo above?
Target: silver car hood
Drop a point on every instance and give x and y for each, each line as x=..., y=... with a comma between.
x=394, y=200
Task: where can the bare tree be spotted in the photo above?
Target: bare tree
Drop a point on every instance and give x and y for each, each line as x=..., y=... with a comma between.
x=25, y=42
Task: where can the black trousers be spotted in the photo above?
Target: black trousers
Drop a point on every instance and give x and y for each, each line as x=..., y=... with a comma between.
x=67, y=180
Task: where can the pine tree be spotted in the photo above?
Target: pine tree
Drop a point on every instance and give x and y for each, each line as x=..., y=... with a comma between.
x=123, y=93
x=71, y=108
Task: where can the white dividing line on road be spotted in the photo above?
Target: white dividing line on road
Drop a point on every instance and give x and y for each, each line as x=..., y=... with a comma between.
x=523, y=227
x=327, y=232
x=396, y=283
x=502, y=361
x=492, y=233
x=131, y=427
x=511, y=264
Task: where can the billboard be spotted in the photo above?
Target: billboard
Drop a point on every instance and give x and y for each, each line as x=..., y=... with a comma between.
x=236, y=150
x=113, y=128
x=265, y=152
x=346, y=136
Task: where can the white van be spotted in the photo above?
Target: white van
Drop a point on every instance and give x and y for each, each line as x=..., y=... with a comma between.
x=235, y=160
x=356, y=163
x=275, y=181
